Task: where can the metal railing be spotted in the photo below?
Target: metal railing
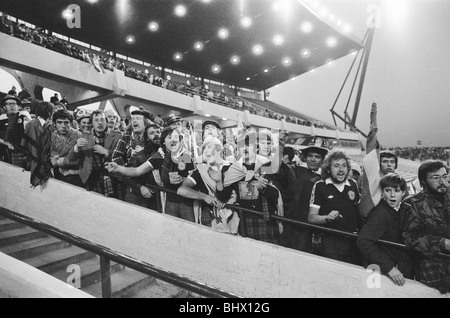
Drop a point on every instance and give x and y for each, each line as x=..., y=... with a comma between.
x=107, y=255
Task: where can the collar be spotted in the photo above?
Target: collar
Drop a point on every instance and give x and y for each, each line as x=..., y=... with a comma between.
x=42, y=121
x=105, y=133
x=433, y=202
x=329, y=181
x=259, y=162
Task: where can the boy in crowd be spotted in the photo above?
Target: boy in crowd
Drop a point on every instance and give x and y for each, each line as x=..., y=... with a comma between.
x=384, y=224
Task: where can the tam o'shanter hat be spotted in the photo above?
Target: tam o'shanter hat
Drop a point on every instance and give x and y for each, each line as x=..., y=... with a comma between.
x=316, y=143
x=142, y=112
x=82, y=113
x=8, y=97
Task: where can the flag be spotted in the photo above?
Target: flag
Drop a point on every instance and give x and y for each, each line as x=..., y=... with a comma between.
x=95, y=62
x=240, y=126
x=371, y=193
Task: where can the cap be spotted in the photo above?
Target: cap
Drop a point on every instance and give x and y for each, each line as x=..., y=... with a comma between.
x=316, y=143
x=26, y=101
x=144, y=113
x=8, y=97
x=210, y=122
x=81, y=113
x=172, y=120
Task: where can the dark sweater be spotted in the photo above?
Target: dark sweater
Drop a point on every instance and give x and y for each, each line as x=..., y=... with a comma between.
x=384, y=224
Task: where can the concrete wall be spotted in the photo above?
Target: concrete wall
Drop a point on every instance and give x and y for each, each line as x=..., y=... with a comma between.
x=237, y=265
x=20, y=280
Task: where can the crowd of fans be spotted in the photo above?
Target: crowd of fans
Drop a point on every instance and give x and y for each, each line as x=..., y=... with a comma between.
x=103, y=61
x=207, y=171
x=424, y=153
x=251, y=168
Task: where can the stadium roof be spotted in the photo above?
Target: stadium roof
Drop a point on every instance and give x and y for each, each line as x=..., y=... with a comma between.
x=255, y=44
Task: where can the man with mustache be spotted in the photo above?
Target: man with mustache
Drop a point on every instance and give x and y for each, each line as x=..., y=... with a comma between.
x=93, y=150
x=426, y=225
x=333, y=204
x=129, y=152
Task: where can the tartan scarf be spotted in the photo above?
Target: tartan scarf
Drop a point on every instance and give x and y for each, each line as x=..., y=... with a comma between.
x=135, y=140
x=37, y=142
x=104, y=182
x=99, y=161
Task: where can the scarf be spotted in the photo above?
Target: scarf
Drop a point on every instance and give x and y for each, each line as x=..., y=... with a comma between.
x=37, y=142
x=238, y=171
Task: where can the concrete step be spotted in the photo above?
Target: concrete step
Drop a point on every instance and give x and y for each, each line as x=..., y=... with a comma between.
x=161, y=289
x=123, y=284
x=90, y=272
x=19, y=236
x=58, y=260
x=8, y=225
x=34, y=248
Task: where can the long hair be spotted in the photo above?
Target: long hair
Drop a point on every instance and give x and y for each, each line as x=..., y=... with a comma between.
x=334, y=156
x=44, y=110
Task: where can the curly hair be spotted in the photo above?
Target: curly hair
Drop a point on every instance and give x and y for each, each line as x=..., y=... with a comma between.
x=334, y=156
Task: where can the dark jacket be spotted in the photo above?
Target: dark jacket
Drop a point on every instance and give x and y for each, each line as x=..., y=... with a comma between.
x=426, y=225
x=384, y=224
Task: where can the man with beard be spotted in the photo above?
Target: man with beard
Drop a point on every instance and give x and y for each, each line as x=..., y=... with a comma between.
x=306, y=177
x=130, y=153
x=426, y=226
x=93, y=150
x=152, y=137
x=175, y=168
x=333, y=204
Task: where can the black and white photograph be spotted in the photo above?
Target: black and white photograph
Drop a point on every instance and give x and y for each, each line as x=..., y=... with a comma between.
x=224, y=154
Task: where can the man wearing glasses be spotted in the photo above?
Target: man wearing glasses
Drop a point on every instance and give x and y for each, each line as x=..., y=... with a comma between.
x=12, y=126
x=426, y=226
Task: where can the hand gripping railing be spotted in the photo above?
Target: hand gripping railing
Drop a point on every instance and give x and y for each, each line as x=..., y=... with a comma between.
x=318, y=228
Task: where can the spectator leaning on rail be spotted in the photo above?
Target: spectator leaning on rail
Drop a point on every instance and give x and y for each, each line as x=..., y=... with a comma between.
x=384, y=224
x=334, y=202
x=175, y=168
x=93, y=150
x=64, y=138
x=314, y=154
x=426, y=226
x=130, y=152
x=153, y=150
x=202, y=184
x=279, y=174
x=253, y=190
